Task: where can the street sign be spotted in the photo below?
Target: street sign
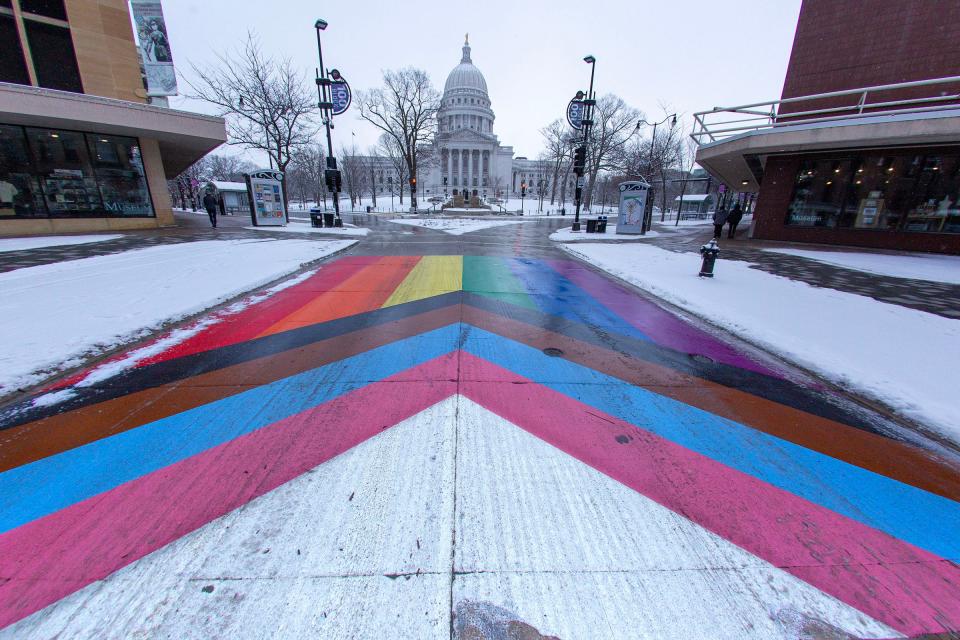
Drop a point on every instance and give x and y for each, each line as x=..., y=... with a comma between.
x=575, y=111
x=580, y=181
x=340, y=96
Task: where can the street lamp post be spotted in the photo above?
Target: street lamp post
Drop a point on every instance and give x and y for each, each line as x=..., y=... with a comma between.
x=326, y=108
x=523, y=194
x=647, y=222
x=587, y=123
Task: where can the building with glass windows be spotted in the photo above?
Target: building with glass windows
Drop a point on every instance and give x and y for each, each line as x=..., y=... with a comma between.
x=80, y=147
x=863, y=148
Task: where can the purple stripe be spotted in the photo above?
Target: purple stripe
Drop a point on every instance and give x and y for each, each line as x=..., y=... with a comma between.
x=659, y=325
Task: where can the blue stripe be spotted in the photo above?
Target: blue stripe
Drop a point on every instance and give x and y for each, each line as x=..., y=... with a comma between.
x=48, y=485
x=916, y=516
x=558, y=296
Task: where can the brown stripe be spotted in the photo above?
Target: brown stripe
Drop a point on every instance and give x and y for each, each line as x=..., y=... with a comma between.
x=48, y=436
x=900, y=461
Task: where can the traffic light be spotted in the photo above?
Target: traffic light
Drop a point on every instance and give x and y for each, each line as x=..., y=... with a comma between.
x=334, y=180
x=413, y=184
x=580, y=160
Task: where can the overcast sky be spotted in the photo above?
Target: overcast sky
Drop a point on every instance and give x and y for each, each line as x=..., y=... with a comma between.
x=689, y=55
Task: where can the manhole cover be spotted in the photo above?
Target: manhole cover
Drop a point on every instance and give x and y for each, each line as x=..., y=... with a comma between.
x=553, y=352
x=696, y=357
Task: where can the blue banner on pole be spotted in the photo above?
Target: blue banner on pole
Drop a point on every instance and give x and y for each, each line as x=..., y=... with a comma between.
x=340, y=96
x=575, y=111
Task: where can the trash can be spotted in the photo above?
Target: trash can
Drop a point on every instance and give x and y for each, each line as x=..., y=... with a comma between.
x=591, y=226
x=315, y=218
x=328, y=220
x=369, y=208
x=602, y=224
x=339, y=222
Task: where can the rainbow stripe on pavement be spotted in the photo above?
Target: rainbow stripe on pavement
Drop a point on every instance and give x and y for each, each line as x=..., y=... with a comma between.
x=263, y=395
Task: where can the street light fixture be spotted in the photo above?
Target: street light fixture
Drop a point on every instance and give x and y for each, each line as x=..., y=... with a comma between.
x=647, y=222
x=326, y=107
x=587, y=123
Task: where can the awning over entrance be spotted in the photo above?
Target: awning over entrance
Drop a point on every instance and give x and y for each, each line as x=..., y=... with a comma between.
x=183, y=137
x=738, y=160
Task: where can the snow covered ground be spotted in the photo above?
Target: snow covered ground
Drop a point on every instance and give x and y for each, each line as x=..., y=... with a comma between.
x=904, y=358
x=297, y=226
x=455, y=226
x=934, y=268
x=56, y=315
x=22, y=244
x=567, y=235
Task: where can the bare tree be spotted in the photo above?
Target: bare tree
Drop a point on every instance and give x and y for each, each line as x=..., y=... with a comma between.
x=267, y=103
x=389, y=148
x=559, y=142
x=657, y=158
x=228, y=168
x=189, y=183
x=613, y=123
x=309, y=162
x=405, y=109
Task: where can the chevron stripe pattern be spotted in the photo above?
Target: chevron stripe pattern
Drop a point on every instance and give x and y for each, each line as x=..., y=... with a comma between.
x=255, y=398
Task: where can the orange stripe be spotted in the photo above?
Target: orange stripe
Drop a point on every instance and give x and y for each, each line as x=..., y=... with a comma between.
x=364, y=291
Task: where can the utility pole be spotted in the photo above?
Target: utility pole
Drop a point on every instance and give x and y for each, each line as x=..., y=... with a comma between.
x=580, y=156
x=332, y=175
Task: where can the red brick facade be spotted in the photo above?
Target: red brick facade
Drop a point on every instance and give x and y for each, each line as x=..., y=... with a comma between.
x=773, y=202
x=847, y=44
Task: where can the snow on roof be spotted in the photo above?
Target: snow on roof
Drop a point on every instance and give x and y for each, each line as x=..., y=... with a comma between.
x=694, y=198
x=228, y=186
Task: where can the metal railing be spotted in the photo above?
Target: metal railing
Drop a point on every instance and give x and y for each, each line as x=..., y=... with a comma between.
x=708, y=127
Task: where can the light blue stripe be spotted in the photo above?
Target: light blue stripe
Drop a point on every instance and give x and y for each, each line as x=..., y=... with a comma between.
x=556, y=295
x=48, y=485
x=903, y=511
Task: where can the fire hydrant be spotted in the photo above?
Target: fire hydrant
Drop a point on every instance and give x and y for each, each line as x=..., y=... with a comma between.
x=709, y=251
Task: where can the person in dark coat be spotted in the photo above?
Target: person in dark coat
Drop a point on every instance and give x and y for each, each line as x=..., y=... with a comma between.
x=736, y=215
x=210, y=204
x=719, y=218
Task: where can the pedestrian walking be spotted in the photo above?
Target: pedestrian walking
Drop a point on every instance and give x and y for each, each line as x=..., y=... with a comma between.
x=719, y=219
x=736, y=215
x=210, y=204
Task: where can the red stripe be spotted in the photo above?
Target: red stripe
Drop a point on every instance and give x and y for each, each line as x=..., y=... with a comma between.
x=897, y=583
x=54, y=556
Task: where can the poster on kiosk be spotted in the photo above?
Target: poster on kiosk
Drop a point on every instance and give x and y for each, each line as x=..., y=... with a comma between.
x=633, y=206
x=265, y=191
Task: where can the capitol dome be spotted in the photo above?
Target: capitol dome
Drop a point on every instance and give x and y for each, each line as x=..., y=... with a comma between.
x=465, y=75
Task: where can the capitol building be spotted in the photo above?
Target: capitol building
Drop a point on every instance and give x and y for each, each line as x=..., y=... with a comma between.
x=469, y=159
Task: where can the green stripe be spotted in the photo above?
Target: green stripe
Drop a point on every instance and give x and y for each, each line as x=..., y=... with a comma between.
x=492, y=278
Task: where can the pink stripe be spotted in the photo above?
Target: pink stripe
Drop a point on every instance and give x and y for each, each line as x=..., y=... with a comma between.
x=899, y=584
x=54, y=556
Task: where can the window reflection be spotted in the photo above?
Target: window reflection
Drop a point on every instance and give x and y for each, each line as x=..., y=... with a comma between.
x=916, y=192
x=47, y=172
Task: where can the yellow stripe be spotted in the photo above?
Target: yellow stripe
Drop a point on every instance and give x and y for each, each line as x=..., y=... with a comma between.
x=433, y=276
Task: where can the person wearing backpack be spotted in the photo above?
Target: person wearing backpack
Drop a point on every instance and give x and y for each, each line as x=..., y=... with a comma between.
x=736, y=215
x=719, y=219
x=210, y=204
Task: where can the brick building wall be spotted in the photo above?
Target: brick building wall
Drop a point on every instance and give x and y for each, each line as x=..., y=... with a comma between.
x=846, y=44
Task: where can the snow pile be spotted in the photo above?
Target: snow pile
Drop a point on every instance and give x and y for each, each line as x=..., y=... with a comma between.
x=934, y=268
x=56, y=315
x=23, y=244
x=904, y=358
x=567, y=235
x=455, y=226
x=297, y=226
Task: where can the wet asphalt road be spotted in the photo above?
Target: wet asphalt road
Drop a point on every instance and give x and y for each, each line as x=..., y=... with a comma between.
x=468, y=436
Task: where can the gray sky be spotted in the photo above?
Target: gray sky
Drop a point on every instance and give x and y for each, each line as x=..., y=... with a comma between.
x=689, y=55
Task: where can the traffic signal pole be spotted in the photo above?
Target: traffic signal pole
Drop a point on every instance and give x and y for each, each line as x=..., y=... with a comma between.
x=580, y=155
x=331, y=175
